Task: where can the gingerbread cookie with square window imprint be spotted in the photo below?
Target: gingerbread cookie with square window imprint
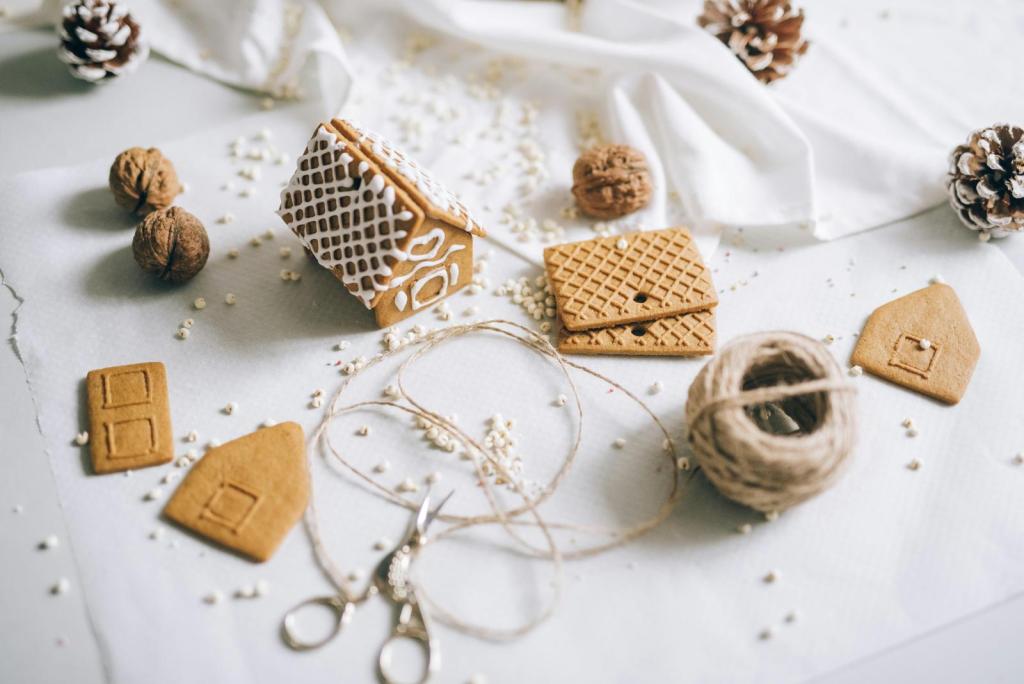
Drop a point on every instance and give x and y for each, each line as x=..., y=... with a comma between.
x=922, y=341
x=391, y=233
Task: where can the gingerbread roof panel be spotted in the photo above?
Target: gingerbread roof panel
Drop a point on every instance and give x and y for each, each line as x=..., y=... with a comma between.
x=438, y=201
x=349, y=214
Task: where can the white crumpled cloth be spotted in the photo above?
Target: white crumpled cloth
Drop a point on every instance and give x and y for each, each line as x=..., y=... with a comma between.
x=846, y=143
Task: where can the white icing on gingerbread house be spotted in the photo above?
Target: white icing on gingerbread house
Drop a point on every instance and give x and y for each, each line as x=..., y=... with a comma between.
x=376, y=219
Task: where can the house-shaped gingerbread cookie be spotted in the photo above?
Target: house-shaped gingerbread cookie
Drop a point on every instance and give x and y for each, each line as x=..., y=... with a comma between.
x=922, y=341
x=391, y=233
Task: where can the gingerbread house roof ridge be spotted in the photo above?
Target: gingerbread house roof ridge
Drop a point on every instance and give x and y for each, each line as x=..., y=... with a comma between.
x=437, y=201
x=951, y=302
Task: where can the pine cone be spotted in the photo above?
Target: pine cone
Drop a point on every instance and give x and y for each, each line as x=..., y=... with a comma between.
x=100, y=40
x=764, y=34
x=986, y=181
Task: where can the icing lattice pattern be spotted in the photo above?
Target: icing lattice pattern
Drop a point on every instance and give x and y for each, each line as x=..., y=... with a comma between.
x=432, y=189
x=349, y=217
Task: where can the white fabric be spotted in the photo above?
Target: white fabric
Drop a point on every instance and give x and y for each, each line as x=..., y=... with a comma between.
x=885, y=555
x=854, y=138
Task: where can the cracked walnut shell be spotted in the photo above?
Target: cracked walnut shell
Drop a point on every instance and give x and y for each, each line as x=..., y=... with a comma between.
x=143, y=180
x=171, y=244
x=610, y=181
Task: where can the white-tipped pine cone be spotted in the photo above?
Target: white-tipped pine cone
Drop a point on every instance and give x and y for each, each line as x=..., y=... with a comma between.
x=100, y=40
x=986, y=181
x=763, y=34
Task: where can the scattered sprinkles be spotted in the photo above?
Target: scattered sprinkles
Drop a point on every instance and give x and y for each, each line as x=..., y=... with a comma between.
x=62, y=586
x=745, y=528
x=82, y=438
x=49, y=542
x=199, y=303
x=213, y=598
x=407, y=485
x=619, y=443
x=655, y=387
x=915, y=464
x=230, y=298
x=230, y=408
x=771, y=577
x=856, y=371
x=153, y=494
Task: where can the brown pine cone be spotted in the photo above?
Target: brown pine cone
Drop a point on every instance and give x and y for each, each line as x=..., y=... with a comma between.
x=763, y=34
x=986, y=181
x=143, y=180
x=100, y=40
x=610, y=181
x=171, y=244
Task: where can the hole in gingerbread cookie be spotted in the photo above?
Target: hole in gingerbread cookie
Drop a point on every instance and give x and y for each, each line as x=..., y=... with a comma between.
x=639, y=298
x=639, y=330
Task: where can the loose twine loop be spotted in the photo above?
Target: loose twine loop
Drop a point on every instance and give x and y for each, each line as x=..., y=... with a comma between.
x=512, y=520
x=771, y=420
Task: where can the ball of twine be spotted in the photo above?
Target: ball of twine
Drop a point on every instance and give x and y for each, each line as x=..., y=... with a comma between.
x=771, y=420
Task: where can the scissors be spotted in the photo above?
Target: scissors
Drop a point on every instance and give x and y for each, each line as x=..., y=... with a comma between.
x=391, y=579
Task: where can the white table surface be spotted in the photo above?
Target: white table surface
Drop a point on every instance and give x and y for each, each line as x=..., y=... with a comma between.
x=45, y=640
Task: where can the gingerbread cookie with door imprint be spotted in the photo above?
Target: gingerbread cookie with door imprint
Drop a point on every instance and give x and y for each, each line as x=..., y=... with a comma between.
x=246, y=494
x=129, y=417
x=922, y=341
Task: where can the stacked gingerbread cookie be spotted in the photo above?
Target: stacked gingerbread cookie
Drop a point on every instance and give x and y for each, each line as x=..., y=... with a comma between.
x=643, y=294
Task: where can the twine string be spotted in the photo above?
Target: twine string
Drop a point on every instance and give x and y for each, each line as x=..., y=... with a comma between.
x=511, y=520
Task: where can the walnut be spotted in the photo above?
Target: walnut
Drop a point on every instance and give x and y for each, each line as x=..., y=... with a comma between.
x=610, y=181
x=172, y=244
x=143, y=180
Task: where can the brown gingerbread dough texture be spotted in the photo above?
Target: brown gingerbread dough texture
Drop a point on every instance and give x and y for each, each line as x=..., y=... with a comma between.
x=143, y=180
x=171, y=244
x=610, y=181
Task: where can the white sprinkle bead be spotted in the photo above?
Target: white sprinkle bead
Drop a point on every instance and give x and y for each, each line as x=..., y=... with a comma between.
x=285, y=252
x=156, y=534
x=925, y=344
x=936, y=279
x=915, y=464
x=766, y=634
x=262, y=587
x=246, y=591
x=213, y=443
x=621, y=243
x=1019, y=459
x=269, y=422
x=907, y=423
x=856, y=371
x=62, y=586
x=383, y=544
x=192, y=436
x=382, y=467
x=407, y=485
x=912, y=432
x=791, y=617
x=153, y=494
x=655, y=387
x=169, y=478
x=433, y=478
x=771, y=577
x=213, y=598
x=182, y=333
x=619, y=443
x=230, y=298
x=342, y=346
x=560, y=400
x=771, y=516
x=82, y=438
x=188, y=323
x=226, y=217
x=745, y=528
x=363, y=431
x=316, y=402
x=49, y=542
x=230, y=408
x=233, y=253
x=683, y=463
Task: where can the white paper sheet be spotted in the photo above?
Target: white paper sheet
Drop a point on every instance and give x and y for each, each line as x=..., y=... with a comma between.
x=887, y=554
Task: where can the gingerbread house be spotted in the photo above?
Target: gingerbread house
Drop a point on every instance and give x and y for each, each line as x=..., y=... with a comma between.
x=391, y=233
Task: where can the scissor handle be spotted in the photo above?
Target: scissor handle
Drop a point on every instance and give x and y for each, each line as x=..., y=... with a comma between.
x=341, y=608
x=411, y=624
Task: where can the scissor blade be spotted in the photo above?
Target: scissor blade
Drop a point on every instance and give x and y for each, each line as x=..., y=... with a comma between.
x=437, y=509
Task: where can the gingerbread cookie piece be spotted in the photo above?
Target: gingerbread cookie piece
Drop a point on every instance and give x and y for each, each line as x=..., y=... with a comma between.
x=391, y=233
x=246, y=494
x=129, y=417
x=922, y=341
x=689, y=334
x=623, y=279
